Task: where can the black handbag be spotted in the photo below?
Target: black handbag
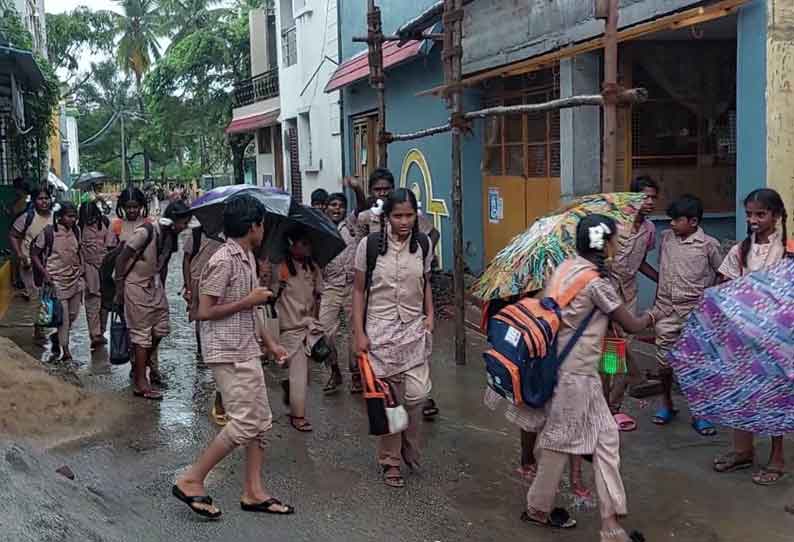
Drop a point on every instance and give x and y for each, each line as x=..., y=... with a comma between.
x=321, y=351
x=119, y=339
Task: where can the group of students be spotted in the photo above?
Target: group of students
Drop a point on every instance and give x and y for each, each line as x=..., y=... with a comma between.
x=385, y=274
x=119, y=264
x=583, y=418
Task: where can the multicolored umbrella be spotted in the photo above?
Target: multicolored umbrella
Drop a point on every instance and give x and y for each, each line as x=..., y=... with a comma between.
x=735, y=358
x=528, y=261
x=208, y=208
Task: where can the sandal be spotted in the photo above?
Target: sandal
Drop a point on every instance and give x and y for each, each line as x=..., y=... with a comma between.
x=664, y=416
x=731, y=462
x=429, y=410
x=151, y=395
x=619, y=535
x=300, y=424
x=528, y=473
x=704, y=428
x=768, y=476
x=332, y=386
x=267, y=507
x=192, y=501
x=559, y=518
x=392, y=477
x=625, y=422
x=220, y=419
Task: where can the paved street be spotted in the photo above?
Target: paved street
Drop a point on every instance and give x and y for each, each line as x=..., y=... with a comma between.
x=467, y=488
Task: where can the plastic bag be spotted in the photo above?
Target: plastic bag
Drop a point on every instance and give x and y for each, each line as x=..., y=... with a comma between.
x=119, y=338
x=50, y=310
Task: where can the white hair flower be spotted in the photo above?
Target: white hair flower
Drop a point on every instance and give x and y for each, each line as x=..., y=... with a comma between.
x=597, y=234
x=377, y=209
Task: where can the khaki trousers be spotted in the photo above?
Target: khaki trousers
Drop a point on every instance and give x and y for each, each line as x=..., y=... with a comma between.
x=606, y=467
x=96, y=317
x=71, y=310
x=668, y=330
x=412, y=389
x=242, y=385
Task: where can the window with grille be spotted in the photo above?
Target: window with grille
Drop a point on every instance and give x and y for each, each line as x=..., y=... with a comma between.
x=524, y=145
x=264, y=140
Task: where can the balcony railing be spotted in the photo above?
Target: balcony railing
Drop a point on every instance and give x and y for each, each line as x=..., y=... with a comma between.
x=257, y=88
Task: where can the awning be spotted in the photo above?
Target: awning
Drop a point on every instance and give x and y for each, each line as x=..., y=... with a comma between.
x=357, y=67
x=22, y=64
x=253, y=122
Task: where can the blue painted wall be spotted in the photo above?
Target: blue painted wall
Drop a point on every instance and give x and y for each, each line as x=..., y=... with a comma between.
x=405, y=112
x=353, y=19
x=750, y=105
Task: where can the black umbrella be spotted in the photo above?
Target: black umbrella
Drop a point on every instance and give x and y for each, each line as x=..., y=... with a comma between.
x=323, y=235
x=208, y=208
x=87, y=180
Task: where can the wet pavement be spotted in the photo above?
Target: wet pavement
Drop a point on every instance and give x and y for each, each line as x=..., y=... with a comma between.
x=467, y=488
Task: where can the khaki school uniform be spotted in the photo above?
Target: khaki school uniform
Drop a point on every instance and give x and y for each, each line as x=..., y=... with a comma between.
x=230, y=348
x=633, y=248
x=336, y=302
x=368, y=222
x=577, y=419
x=299, y=329
x=145, y=303
x=686, y=268
x=759, y=257
x=65, y=267
x=400, y=345
x=96, y=242
x=198, y=261
x=28, y=237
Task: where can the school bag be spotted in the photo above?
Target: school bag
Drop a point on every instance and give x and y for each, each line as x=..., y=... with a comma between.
x=386, y=416
x=119, y=338
x=43, y=254
x=523, y=362
x=50, y=310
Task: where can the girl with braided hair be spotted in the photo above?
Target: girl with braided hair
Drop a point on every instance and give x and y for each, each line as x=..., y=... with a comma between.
x=577, y=420
x=764, y=246
x=393, y=322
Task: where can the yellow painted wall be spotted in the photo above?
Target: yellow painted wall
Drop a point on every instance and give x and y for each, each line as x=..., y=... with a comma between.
x=780, y=101
x=5, y=287
x=55, y=145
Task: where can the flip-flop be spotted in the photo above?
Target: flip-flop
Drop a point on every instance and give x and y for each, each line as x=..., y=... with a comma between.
x=304, y=427
x=768, y=476
x=730, y=462
x=704, y=428
x=625, y=422
x=199, y=499
x=220, y=419
x=559, y=518
x=151, y=395
x=392, y=477
x=429, y=409
x=664, y=416
x=266, y=507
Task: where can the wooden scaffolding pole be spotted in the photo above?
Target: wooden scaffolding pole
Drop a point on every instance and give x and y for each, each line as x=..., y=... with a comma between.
x=610, y=146
x=376, y=76
x=453, y=74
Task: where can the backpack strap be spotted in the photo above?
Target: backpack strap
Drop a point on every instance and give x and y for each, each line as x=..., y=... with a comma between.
x=49, y=240
x=116, y=226
x=196, y=240
x=576, y=336
x=139, y=254
x=582, y=279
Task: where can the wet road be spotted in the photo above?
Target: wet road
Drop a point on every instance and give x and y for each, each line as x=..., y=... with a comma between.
x=467, y=489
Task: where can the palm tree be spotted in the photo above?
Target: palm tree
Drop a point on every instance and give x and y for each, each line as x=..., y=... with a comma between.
x=138, y=47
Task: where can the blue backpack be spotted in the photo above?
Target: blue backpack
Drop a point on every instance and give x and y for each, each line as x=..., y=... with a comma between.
x=523, y=361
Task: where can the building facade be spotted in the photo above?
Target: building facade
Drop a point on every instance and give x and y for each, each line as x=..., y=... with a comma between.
x=717, y=123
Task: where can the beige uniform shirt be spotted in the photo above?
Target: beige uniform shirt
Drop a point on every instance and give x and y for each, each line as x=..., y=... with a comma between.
x=297, y=302
x=206, y=249
x=599, y=294
x=230, y=275
x=633, y=247
x=686, y=268
x=759, y=257
x=397, y=291
x=96, y=242
x=339, y=271
x=33, y=231
x=65, y=263
x=144, y=271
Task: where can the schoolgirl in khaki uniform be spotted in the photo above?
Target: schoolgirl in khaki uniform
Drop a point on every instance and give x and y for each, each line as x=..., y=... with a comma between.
x=97, y=240
x=577, y=421
x=298, y=284
x=393, y=324
x=61, y=265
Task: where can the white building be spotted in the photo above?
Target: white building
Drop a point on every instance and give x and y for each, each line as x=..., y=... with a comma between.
x=308, y=55
x=32, y=14
x=72, y=166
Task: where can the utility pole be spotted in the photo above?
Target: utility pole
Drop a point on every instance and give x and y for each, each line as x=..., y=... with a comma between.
x=608, y=9
x=123, y=153
x=452, y=54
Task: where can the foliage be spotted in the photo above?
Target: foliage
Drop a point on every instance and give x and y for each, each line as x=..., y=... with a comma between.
x=72, y=33
x=39, y=106
x=138, y=45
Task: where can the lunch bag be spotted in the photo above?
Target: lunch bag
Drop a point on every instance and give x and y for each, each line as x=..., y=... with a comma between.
x=119, y=339
x=386, y=416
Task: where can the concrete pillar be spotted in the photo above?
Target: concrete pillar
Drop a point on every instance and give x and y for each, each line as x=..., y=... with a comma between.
x=780, y=102
x=580, y=127
x=751, y=126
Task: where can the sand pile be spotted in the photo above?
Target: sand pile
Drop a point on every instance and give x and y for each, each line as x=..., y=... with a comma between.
x=34, y=403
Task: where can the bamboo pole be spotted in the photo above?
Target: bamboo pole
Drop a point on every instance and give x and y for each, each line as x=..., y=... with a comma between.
x=610, y=146
x=453, y=72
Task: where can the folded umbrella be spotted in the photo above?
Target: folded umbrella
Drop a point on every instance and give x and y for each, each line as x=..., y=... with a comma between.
x=735, y=358
x=530, y=258
x=208, y=209
x=323, y=235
